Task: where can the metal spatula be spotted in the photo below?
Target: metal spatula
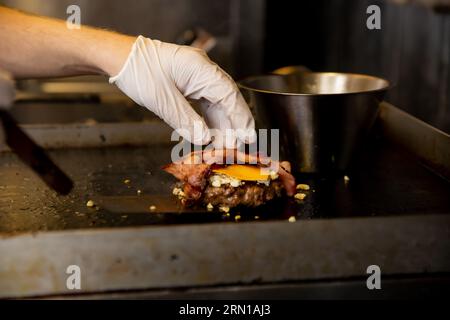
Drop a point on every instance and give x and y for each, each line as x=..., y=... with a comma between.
x=27, y=150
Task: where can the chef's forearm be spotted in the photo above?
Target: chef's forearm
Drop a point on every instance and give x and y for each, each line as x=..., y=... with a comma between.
x=32, y=46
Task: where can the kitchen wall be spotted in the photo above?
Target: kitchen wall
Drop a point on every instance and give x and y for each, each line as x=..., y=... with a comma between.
x=228, y=20
x=412, y=49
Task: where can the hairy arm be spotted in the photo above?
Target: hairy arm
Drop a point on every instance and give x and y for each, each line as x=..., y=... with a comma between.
x=33, y=46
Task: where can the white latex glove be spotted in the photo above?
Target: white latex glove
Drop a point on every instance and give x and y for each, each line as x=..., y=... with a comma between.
x=161, y=76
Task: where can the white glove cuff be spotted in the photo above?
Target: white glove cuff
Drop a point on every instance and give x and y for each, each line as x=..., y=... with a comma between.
x=113, y=79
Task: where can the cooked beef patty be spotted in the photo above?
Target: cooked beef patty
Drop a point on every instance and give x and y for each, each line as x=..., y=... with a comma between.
x=250, y=194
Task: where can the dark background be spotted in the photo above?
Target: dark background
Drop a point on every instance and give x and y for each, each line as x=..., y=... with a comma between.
x=412, y=49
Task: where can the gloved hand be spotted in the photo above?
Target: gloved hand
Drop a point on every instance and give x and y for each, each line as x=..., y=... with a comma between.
x=162, y=76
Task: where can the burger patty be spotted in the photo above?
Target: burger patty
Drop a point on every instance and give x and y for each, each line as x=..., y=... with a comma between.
x=195, y=188
x=251, y=194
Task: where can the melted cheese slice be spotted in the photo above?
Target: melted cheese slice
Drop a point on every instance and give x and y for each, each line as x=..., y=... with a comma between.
x=243, y=172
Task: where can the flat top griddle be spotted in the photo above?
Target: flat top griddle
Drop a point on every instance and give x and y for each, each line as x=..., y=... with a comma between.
x=396, y=207
x=384, y=181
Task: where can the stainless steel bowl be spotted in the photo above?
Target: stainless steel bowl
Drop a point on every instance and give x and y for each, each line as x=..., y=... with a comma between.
x=322, y=117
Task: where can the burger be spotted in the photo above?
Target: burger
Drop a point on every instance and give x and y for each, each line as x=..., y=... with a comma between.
x=228, y=178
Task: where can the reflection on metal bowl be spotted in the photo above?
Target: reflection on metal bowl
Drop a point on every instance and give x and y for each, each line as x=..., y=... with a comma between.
x=322, y=116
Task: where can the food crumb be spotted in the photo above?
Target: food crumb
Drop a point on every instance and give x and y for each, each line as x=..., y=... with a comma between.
x=292, y=219
x=273, y=175
x=300, y=196
x=152, y=208
x=302, y=186
x=90, y=204
x=216, y=184
x=209, y=207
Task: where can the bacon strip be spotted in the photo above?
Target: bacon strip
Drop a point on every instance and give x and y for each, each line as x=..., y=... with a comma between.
x=193, y=174
x=288, y=180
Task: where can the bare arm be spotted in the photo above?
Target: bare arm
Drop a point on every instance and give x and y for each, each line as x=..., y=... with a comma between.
x=32, y=46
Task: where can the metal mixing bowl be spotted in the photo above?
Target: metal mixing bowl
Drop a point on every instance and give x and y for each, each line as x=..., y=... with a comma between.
x=322, y=117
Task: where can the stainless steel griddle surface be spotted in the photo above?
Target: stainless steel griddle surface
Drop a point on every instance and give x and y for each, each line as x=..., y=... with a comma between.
x=386, y=181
